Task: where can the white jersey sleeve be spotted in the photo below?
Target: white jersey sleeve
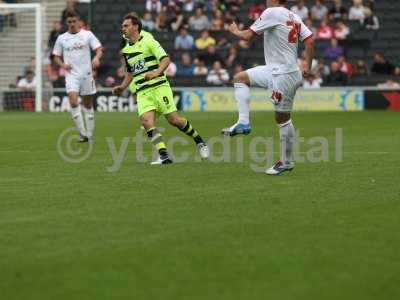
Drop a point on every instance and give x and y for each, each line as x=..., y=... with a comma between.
x=267, y=20
x=58, y=49
x=93, y=41
x=305, y=33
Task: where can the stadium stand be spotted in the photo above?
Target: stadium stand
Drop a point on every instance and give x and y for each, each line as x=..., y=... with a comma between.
x=361, y=44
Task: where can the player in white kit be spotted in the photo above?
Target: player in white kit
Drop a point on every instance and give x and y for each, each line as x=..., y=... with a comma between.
x=282, y=30
x=72, y=51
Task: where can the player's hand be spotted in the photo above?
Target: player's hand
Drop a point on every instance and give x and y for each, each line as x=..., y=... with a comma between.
x=233, y=28
x=95, y=63
x=151, y=75
x=67, y=67
x=307, y=74
x=118, y=90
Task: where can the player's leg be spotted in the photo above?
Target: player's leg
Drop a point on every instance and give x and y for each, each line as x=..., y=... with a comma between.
x=89, y=115
x=257, y=76
x=283, y=94
x=167, y=107
x=76, y=114
x=241, y=83
x=147, y=115
x=88, y=89
x=186, y=127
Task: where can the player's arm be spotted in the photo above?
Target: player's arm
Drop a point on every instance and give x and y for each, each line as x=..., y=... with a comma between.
x=163, y=65
x=246, y=35
x=119, y=89
x=61, y=64
x=97, y=57
x=163, y=59
x=309, y=53
x=57, y=53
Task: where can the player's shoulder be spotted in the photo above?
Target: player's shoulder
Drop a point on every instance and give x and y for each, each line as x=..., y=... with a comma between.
x=86, y=32
x=63, y=36
x=275, y=12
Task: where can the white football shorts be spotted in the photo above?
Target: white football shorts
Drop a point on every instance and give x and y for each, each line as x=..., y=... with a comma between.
x=83, y=85
x=282, y=87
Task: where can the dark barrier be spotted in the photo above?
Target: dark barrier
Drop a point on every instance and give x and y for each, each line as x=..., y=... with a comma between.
x=382, y=99
x=19, y=100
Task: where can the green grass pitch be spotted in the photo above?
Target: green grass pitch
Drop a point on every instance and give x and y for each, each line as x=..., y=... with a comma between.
x=200, y=230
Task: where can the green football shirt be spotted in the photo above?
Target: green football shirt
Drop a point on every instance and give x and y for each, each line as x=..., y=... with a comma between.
x=142, y=57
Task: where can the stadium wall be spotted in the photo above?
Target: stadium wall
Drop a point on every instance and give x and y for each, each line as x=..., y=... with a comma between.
x=219, y=99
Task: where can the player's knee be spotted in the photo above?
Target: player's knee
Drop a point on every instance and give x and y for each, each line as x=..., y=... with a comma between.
x=146, y=122
x=175, y=121
x=241, y=78
x=282, y=117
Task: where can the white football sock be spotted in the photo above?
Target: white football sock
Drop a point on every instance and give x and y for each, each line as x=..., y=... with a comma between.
x=89, y=119
x=287, y=136
x=242, y=97
x=78, y=119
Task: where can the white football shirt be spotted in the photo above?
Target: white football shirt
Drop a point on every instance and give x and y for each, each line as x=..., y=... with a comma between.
x=282, y=29
x=75, y=48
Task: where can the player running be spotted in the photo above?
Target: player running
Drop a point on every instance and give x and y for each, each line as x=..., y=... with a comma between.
x=72, y=52
x=281, y=75
x=146, y=62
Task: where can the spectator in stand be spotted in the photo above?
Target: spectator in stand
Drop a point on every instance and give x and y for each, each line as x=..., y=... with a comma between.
x=184, y=40
x=324, y=31
x=27, y=83
x=356, y=12
x=154, y=6
x=389, y=84
x=171, y=70
x=345, y=66
x=300, y=9
x=341, y=30
x=337, y=11
x=204, y=40
x=218, y=75
x=211, y=56
x=361, y=68
x=199, y=21
x=176, y=19
x=162, y=22
x=200, y=69
x=308, y=22
x=232, y=58
x=185, y=67
x=321, y=69
x=334, y=50
x=319, y=11
x=236, y=70
x=381, y=66
x=148, y=22
x=371, y=21
x=54, y=33
x=218, y=22
x=232, y=5
x=312, y=82
x=223, y=44
x=336, y=77
x=188, y=5
x=256, y=10
x=230, y=18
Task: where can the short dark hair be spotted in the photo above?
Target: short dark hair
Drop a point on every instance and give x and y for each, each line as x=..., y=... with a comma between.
x=134, y=19
x=71, y=14
x=282, y=1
